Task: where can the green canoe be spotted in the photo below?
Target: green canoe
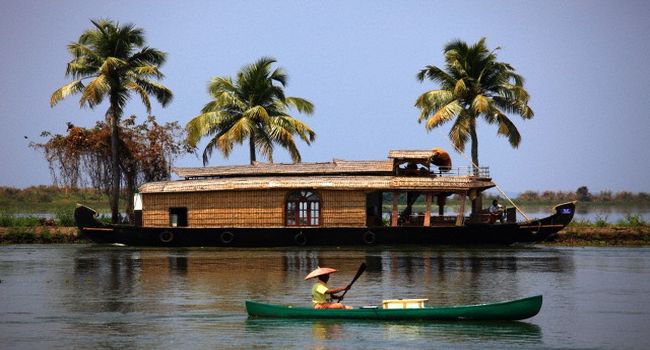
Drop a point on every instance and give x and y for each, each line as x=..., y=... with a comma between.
x=509, y=310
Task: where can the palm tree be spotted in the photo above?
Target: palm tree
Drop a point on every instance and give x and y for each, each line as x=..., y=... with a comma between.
x=251, y=107
x=111, y=61
x=473, y=84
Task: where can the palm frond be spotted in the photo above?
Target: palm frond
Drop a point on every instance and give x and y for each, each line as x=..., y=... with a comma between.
x=162, y=94
x=94, y=93
x=149, y=56
x=436, y=75
x=264, y=142
x=508, y=129
x=432, y=101
x=293, y=126
x=460, y=88
x=148, y=71
x=219, y=85
x=257, y=114
x=280, y=76
x=202, y=125
x=112, y=65
x=444, y=114
x=302, y=105
x=460, y=132
x=481, y=104
x=66, y=90
x=144, y=96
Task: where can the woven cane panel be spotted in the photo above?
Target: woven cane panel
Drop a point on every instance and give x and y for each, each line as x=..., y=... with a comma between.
x=258, y=209
x=343, y=208
x=217, y=209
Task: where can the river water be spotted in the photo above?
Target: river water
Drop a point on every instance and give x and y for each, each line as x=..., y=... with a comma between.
x=106, y=297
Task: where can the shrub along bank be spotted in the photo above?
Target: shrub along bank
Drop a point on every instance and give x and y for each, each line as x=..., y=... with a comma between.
x=602, y=236
x=39, y=234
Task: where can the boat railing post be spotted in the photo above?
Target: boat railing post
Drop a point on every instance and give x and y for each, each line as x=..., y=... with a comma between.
x=461, y=210
x=427, y=213
x=393, y=221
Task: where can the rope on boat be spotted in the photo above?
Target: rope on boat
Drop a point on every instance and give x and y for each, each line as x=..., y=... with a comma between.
x=495, y=184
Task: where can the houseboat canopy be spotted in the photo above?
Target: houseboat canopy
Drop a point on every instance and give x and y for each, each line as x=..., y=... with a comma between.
x=371, y=183
x=404, y=170
x=335, y=167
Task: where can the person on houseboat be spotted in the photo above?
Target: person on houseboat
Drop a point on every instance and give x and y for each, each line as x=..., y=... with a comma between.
x=496, y=212
x=321, y=294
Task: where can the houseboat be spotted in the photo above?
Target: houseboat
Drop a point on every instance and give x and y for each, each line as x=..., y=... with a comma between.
x=401, y=200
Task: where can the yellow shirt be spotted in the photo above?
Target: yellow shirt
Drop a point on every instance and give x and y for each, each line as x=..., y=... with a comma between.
x=318, y=295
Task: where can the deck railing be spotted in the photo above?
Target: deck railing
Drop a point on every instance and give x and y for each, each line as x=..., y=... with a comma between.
x=483, y=171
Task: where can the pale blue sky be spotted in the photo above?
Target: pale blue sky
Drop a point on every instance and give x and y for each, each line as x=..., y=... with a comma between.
x=586, y=64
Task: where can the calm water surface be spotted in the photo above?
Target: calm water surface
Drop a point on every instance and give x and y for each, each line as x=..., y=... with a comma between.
x=63, y=296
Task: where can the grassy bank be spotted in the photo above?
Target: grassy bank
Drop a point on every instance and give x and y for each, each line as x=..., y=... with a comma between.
x=602, y=236
x=39, y=234
x=50, y=199
x=629, y=231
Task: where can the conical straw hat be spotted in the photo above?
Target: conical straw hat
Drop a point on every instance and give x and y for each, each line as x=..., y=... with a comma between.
x=320, y=271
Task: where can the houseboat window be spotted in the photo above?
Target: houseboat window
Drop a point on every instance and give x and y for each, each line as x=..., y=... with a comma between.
x=303, y=209
x=178, y=217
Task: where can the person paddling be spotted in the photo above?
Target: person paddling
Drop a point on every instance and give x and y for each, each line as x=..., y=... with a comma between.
x=321, y=294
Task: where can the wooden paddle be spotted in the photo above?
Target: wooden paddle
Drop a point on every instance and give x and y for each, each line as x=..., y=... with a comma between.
x=362, y=268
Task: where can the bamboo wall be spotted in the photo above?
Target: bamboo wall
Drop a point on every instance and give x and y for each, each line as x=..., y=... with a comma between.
x=258, y=209
x=343, y=208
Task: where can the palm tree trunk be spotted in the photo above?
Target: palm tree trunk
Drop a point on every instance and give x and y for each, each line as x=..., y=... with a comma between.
x=477, y=203
x=472, y=132
x=252, y=149
x=130, y=191
x=113, y=115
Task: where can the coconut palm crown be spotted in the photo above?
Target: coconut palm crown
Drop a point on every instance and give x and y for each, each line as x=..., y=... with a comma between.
x=472, y=85
x=252, y=107
x=110, y=61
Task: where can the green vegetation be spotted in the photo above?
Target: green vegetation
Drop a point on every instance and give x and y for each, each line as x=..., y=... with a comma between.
x=582, y=195
x=632, y=220
x=629, y=221
x=116, y=62
x=49, y=199
x=472, y=85
x=22, y=235
x=8, y=220
x=251, y=107
x=602, y=236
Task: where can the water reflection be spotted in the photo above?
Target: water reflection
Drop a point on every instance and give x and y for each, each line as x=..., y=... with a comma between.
x=71, y=296
x=327, y=332
x=128, y=279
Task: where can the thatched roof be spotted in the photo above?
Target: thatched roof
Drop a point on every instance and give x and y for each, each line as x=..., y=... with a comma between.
x=366, y=182
x=410, y=154
x=337, y=175
x=336, y=167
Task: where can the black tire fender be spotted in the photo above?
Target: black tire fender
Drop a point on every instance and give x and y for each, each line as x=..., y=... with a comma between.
x=166, y=237
x=369, y=237
x=227, y=237
x=300, y=239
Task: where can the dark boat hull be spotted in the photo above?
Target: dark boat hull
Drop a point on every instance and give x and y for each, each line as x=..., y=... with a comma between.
x=507, y=233
x=513, y=310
